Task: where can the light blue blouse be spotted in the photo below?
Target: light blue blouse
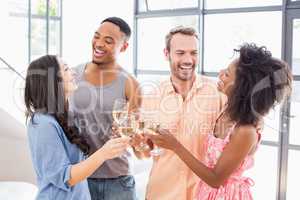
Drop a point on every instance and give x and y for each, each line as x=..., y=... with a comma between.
x=52, y=156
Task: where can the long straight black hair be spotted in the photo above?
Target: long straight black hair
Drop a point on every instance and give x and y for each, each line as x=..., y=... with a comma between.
x=44, y=93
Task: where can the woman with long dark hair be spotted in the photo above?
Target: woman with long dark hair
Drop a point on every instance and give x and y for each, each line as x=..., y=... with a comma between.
x=57, y=148
x=253, y=84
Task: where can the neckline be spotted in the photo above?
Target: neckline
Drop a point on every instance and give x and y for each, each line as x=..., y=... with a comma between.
x=100, y=86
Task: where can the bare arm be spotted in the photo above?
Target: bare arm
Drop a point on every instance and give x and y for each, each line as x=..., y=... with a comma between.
x=133, y=93
x=113, y=148
x=241, y=143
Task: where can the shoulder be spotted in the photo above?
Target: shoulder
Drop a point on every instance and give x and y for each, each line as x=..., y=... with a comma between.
x=246, y=133
x=130, y=82
x=44, y=124
x=40, y=119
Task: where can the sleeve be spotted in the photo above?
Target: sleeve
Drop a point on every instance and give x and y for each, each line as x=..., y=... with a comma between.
x=51, y=157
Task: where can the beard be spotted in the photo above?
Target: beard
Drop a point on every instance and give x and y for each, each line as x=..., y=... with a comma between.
x=185, y=75
x=180, y=73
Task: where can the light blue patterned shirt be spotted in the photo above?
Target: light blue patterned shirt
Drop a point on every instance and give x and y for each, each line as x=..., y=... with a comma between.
x=52, y=156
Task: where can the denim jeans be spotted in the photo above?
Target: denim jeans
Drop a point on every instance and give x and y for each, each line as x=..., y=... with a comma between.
x=121, y=188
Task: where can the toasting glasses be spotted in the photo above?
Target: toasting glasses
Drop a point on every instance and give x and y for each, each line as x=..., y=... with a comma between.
x=128, y=123
x=152, y=125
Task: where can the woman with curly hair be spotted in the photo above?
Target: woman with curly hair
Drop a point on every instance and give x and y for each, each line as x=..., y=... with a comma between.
x=253, y=84
x=57, y=148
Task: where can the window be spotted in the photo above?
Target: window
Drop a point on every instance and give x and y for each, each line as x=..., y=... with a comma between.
x=294, y=113
x=264, y=173
x=14, y=38
x=38, y=39
x=151, y=40
x=142, y=5
x=271, y=125
x=296, y=48
x=170, y=4
x=39, y=7
x=18, y=49
x=42, y=42
x=54, y=37
x=216, y=4
x=293, y=175
x=224, y=32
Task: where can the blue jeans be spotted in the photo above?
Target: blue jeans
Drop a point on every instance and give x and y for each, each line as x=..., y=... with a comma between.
x=121, y=188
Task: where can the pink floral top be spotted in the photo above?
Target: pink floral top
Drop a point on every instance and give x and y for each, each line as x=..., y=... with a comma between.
x=237, y=187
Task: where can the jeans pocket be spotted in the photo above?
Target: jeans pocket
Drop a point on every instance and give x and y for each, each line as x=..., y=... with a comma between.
x=127, y=182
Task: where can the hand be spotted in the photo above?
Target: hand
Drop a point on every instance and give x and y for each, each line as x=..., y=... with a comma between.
x=115, y=130
x=115, y=147
x=164, y=139
x=137, y=139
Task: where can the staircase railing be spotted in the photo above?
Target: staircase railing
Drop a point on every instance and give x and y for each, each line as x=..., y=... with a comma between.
x=12, y=68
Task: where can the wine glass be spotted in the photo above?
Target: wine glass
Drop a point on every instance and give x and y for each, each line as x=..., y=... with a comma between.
x=152, y=125
x=140, y=128
x=127, y=126
x=120, y=111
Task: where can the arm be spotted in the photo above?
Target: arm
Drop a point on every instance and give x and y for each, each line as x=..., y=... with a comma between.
x=52, y=161
x=241, y=143
x=112, y=148
x=133, y=93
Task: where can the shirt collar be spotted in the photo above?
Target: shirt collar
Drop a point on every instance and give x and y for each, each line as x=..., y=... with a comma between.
x=169, y=89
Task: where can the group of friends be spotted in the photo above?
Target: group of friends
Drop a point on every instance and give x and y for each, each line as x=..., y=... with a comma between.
x=209, y=131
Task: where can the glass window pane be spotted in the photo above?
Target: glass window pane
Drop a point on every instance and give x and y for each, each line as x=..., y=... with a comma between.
x=38, y=38
x=295, y=114
x=224, y=32
x=39, y=7
x=14, y=33
x=142, y=6
x=215, y=4
x=293, y=175
x=54, y=37
x=171, y=4
x=296, y=47
x=54, y=8
x=264, y=173
x=271, y=125
x=151, y=43
x=149, y=82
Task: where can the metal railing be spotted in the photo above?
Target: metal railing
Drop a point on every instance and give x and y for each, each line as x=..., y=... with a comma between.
x=12, y=68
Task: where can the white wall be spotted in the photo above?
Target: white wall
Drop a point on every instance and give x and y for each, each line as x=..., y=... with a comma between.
x=82, y=18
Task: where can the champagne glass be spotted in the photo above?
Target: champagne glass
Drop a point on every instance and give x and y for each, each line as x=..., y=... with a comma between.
x=120, y=111
x=127, y=126
x=152, y=125
x=140, y=128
